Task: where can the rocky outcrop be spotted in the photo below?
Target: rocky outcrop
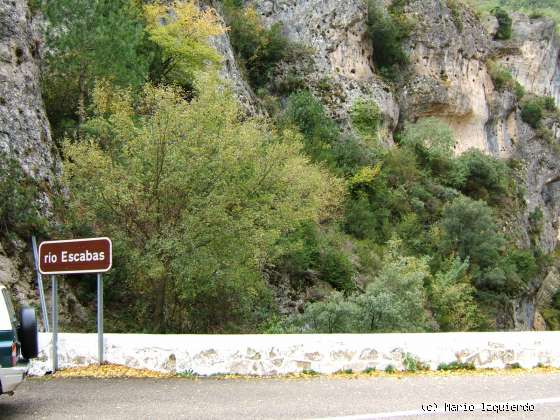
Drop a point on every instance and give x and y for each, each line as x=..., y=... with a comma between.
x=230, y=71
x=24, y=128
x=341, y=70
x=533, y=55
x=25, y=136
x=449, y=76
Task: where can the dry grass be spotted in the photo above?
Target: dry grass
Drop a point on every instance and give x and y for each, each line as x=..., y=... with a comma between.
x=119, y=371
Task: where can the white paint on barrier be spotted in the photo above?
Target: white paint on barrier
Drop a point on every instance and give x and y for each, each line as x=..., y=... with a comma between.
x=283, y=354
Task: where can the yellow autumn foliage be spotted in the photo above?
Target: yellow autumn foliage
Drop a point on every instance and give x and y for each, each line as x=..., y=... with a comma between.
x=183, y=30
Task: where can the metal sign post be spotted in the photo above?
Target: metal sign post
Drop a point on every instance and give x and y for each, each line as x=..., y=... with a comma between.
x=40, y=285
x=100, y=317
x=92, y=255
x=54, y=308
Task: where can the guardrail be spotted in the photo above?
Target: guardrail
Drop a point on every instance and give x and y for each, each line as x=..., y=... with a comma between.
x=265, y=355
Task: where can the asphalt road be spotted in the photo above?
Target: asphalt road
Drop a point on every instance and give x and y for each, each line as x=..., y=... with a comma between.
x=323, y=397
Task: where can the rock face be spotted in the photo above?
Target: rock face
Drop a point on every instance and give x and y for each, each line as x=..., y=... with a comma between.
x=24, y=128
x=533, y=57
x=341, y=69
x=449, y=76
x=230, y=71
x=25, y=135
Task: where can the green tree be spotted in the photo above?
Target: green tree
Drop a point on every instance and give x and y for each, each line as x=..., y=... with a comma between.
x=394, y=300
x=481, y=176
x=259, y=48
x=532, y=111
x=471, y=231
x=504, y=23
x=452, y=298
x=89, y=40
x=182, y=31
x=20, y=211
x=433, y=142
x=196, y=197
x=335, y=314
x=388, y=32
x=320, y=132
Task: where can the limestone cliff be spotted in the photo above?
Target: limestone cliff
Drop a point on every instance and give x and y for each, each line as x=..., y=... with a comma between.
x=448, y=77
x=24, y=128
x=341, y=55
x=25, y=136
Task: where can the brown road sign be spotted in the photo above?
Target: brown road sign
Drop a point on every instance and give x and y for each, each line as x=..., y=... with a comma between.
x=92, y=255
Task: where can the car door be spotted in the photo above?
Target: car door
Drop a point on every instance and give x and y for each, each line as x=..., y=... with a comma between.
x=9, y=347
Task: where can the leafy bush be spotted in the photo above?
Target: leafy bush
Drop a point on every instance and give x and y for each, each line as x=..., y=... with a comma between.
x=549, y=103
x=482, y=176
x=412, y=364
x=319, y=131
x=536, y=223
x=19, y=198
x=503, y=80
x=366, y=117
x=452, y=298
x=351, y=153
x=390, y=369
x=333, y=315
x=470, y=231
x=387, y=32
x=259, y=49
x=532, y=112
x=309, y=249
x=393, y=301
x=197, y=198
x=455, y=9
x=504, y=24
x=432, y=141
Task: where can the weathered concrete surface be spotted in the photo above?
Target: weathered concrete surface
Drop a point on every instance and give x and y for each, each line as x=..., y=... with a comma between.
x=265, y=355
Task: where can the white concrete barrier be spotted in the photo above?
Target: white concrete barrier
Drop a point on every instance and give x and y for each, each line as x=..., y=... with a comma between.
x=283, y=354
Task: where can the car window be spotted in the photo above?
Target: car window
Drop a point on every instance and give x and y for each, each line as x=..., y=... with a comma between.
x=5, y=314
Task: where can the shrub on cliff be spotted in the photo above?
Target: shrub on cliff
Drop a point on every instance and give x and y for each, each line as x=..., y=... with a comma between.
x=387, y=32
x=503, y=79
x=392, y=302
x=452, y=297
x=259, y=49
x=504, y=24
x=19, y=200
x=532, y=111
x=482, y=177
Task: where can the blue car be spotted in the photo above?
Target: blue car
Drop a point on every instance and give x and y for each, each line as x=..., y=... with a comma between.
x=18, y=342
